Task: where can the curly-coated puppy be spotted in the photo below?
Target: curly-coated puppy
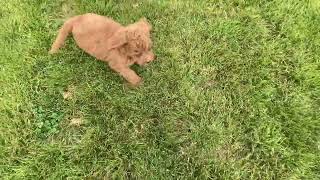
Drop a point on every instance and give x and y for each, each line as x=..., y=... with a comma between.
x=119, y=46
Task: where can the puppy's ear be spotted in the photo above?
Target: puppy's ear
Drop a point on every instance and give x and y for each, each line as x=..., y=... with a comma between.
x=118, y=39
x=145, y=22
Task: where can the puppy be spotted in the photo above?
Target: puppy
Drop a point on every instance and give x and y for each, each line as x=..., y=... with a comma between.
x=119, y=46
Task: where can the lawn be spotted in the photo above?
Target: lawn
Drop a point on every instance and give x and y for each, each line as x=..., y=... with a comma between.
x=233, y=94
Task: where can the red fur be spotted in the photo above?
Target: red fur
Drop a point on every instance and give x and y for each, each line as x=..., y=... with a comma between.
x=119, y=46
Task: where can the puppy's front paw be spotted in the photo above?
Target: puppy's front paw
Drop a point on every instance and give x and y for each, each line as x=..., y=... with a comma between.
x=53, y=51
x=136, y=82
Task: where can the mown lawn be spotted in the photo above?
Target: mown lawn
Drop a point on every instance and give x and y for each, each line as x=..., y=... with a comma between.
x=234, y=93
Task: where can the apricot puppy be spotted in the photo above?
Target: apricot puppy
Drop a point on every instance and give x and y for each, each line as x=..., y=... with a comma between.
x=119, y=46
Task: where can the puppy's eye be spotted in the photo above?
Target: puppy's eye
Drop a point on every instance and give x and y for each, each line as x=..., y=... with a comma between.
x=136, y=52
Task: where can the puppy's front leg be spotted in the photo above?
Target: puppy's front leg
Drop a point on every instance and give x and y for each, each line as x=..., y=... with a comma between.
x=126, y=72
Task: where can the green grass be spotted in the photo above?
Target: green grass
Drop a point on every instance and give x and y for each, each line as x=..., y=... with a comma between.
x=234, y=93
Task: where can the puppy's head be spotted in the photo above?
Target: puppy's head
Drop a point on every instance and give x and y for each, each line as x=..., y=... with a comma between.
x=135, y=39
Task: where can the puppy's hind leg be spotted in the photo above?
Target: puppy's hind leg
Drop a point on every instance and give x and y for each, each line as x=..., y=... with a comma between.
x=62, y=35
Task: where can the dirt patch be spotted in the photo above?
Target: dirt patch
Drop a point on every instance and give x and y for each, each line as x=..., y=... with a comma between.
x=68, y=93
x=228, y=152
x=76, y=121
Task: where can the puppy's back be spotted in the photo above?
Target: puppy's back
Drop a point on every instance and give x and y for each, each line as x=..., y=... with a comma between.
x=91, y=32
x=88, y=23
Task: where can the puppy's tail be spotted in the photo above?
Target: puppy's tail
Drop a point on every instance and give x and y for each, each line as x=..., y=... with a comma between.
x=62, y=35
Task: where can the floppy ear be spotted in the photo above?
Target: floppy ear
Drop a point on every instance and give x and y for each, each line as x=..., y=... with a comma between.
x=143, y=19
x=146, y=23
x=118, y=39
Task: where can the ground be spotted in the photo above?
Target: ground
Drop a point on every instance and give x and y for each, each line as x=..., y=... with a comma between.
x=234, y=93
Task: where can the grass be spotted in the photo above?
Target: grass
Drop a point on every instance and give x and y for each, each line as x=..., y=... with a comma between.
x=234, y=93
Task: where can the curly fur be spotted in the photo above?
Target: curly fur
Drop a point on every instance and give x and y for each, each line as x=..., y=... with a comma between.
x=119, y=46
